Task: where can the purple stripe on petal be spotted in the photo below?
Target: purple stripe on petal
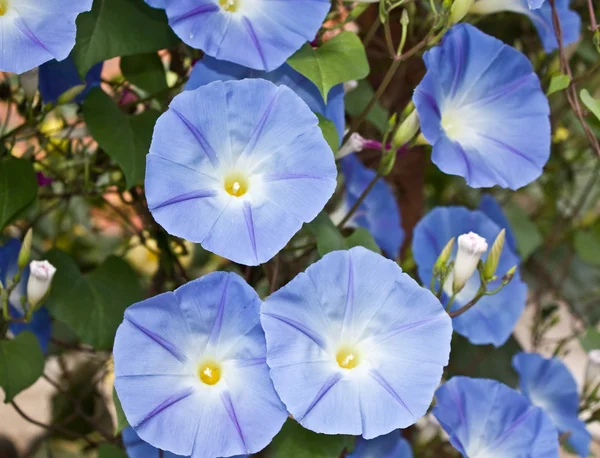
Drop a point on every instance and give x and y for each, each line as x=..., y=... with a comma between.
x=208, y=150
x=375, y=375
x=391, y=333
x=250, y=226
x=165, y=404
x=176, y=352
x=226, y=399
x=349, y=308
x=509, y=148
x=255, y=41
x=514, y=425
x=201, y=194
x=248, y=362
x=460, y=49
x=22, y=26
x=195, y=12
x=328, y=385
x=291, y=176
x=504, y=90
x=216, y=329
x=315, y=337
x=259, y=127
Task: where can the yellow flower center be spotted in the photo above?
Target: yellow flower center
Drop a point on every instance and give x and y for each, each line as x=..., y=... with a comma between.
x=236, y=184
x=3, y=7
x=229, y=5
x=347, y=357
x=209, y=372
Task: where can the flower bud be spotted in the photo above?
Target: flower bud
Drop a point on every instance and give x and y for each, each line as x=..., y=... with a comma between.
x=508, y=276
x=354, y=144
x=350, y=86
x=592, y=373
x=491, y=263
x=407, y=130
x=25, y=252
x=442, y=260
x=470, y=248
x=29, y=82
x=40, y=279
x=459, y=10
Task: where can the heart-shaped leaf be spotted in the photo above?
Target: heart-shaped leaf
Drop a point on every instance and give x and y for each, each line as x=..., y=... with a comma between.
x=338, y=60
x=21, y=364
x=92, y=305
x=591, y=103
x=18, y=188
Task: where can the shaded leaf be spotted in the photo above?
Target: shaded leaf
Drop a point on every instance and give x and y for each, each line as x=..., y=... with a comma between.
x=329, y=132
x=590, y=340
x=525, y=231
x=587, y=247
x=21, y=364
x=122, y=422
x=18, y=188
x=558, y=83
x=145, y=71
x=111, y=451
x=591, y=103
x=357, y=99
x=327, y=234
x=362, y=237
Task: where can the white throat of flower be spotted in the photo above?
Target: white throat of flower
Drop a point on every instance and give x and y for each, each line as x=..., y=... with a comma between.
x=462, y=121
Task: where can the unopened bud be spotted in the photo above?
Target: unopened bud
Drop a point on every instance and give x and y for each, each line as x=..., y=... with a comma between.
x=404, y=20
x=40, y=279
x=407, y=130
x=508, y=276
x=470, y=248
x=442, y=260
x=354, y=144
x=459, y=10
x=350, y=85
x=70, y=94
x=25, y=252
x=592, y=374
x=29, y=82
x=491, y=263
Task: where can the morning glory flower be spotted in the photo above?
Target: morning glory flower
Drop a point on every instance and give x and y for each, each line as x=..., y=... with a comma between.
x=392, y=445
x=58, y=77
x=36, y=31
x=482, y=109
x=490, y=206
x=209, y=69
x=493, y=318
x=238, y=166
x=485, y=418
x=137, y=448
x=333, y=339
x=190, y=370
x=41, y=323
x=379, y=212
x=540, y=13
x=548, y=384
x=259, y=34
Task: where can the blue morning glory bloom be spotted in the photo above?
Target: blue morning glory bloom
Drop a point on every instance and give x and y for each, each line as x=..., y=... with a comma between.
x=209, y=69
x=190, y=370
x=259, y=34
x=540, y=13
x=379, y=212
x=548, y=384
x=333, y=335
x=137, y=448
x=493, y=319
x=482, y=109
x=58, y=77
x=485, y=418
x=392, y=445
x=41, y=323
x=490, y=206
x=238, y=166
x=36, y=31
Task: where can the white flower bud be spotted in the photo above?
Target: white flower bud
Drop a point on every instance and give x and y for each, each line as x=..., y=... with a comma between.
x=350, y=85
x=40, y=278
x=592, y=373
x=354, y=144
x=470, y=248
x=29, y=82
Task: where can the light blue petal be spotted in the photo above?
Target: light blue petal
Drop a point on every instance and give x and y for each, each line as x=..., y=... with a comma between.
x=570, y=24
x=209, y=69
x=55, y=78
x=492, y=320
x=392, y=445
x=379, y=212
x=36, y=31
x=158, y=351
x=482, y=108
x=534, y=4
x=486, y=418
x=548, y=384
x=359, y=299
x=260, y=36
x=490, y=206
x=251, y=128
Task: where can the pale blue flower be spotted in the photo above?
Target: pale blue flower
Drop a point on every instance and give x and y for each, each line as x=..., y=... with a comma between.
x=493, y=318
x=36, y=31
x=548, y=384
x=483, y=110
x=333, y=339
x=56, y=78
x=190, y=370
x=490, y=206
x=392, y=445
x=238, y=166
x=259, y=34
x=487, y=419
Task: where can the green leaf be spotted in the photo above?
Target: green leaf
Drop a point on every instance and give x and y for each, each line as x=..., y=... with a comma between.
x=362, y=237
x=587, y=247
x=558, y=83
x=327, y=234
x=294, y=441
x=119, y=28
x=126, y=139
x=92, y=305
x=591, y=103
x=525, y=231
x=590, y=340
x=357, y=99
x=21, y=364
x=338, y=60
x=122, y=422
x=18, y=188
x=329, y=132
x=111, y=451
x=146, y=71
